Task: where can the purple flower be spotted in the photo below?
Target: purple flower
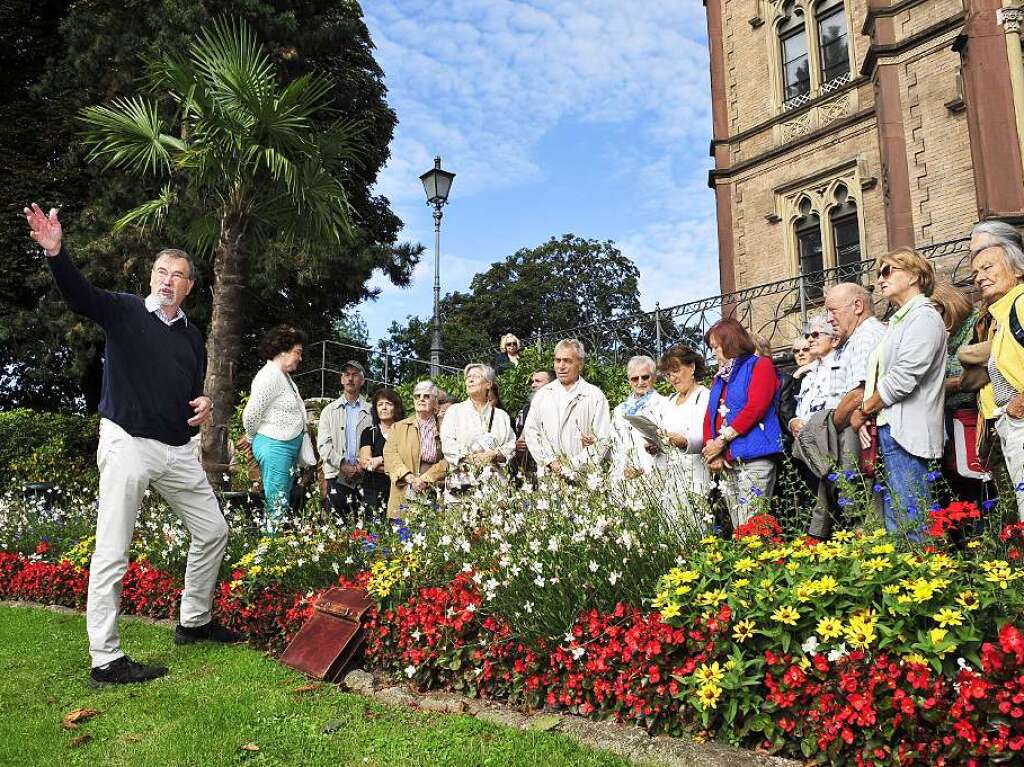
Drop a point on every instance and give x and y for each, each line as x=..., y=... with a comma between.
x=877, y=488
x=986, y=505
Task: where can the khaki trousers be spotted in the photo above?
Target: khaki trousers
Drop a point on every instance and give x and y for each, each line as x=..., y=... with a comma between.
x=128, y=466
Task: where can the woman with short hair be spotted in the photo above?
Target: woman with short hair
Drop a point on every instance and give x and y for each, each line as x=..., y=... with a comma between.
x=997, y=259
x=385, y=409
x=679, y=462
x=629, y=454
x=412, y=454
x=274, y=419
x=742, y=432
x=475, y=433
x=905, y=390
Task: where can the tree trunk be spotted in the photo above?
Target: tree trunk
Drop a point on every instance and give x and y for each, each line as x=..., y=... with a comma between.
x=223, y=348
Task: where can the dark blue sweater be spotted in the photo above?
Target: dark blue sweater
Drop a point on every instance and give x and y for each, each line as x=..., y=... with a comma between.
x=150, y=370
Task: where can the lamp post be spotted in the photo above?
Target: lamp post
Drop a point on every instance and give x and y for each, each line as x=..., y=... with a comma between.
x=437, y=183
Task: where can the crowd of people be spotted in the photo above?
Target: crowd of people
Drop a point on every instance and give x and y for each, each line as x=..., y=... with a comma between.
x=936, y=389
x=939, y=385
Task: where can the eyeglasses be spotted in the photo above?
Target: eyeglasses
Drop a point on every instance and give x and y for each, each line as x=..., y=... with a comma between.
x=422, y=396
x=645, y=377
x=887, y=270
x=801, y=349
x=814, y=335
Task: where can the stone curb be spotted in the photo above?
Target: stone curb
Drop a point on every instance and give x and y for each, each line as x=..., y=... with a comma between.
x=627, y=741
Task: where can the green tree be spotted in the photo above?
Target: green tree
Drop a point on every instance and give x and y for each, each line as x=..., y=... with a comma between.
x=60, y=56
x=564, y=283
x=243, y=159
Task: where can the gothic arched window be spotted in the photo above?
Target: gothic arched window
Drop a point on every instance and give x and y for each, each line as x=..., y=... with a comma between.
x=796, y=70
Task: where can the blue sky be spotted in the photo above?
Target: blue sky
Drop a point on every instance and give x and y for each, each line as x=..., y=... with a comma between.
x=583, y=116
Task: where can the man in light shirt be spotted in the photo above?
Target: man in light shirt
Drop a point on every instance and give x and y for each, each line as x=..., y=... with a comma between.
x=341, y=425
x=569, y=422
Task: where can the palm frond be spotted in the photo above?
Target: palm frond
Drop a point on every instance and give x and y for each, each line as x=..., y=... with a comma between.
x=129, y=134
x=149, y=214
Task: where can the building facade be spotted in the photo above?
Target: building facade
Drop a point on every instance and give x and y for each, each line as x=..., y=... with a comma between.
x=845, y=128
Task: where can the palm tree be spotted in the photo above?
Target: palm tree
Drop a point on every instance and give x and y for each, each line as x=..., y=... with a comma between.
x=247, y=158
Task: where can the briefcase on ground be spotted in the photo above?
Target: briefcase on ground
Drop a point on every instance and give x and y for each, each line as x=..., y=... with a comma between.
x=332, y=638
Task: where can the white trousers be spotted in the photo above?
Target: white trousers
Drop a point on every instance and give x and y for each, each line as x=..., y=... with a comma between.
x=1011, y=437
x=128, y=466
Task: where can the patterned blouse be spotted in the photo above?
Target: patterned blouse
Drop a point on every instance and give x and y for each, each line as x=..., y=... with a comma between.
x=963, y=336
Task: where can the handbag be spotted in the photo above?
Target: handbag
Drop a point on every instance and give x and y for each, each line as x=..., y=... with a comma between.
x=307, y=453
x=333, y=636
x=974, y=358
x=869, y=455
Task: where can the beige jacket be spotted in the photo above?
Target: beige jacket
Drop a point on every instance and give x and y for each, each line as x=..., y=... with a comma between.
x=554, y=428
x=402, y=457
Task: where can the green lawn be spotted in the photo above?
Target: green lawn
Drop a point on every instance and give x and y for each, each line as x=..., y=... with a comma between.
x=217, y=699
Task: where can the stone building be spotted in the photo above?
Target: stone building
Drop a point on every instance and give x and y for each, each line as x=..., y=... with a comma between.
x=844, y=128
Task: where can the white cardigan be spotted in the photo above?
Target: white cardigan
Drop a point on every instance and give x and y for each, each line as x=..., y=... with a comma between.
x=275, y=409
x=555, y=427
x=464, y=429
x=628, y=446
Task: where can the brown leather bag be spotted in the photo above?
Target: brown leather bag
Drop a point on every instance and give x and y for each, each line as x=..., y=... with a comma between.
x=332, y=638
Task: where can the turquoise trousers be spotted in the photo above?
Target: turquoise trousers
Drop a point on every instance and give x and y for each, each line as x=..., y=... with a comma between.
x=277, y=459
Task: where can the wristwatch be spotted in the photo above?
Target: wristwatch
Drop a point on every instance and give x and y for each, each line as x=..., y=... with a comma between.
x=729, y=434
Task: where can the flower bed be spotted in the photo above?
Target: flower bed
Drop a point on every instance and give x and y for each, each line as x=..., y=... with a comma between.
x=862, y=650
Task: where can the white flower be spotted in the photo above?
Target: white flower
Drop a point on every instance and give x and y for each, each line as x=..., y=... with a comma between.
x=467, y=568
x=810, y=646
x=552, y=544
x=613, y=577
x=528, y=606
x=593, y=566
x=470, y=608
x=837, y=653
x=446, y=540
x=578, y=652
x=410, y=671
x=539, y=581
x=568, y=638
x=416, y=634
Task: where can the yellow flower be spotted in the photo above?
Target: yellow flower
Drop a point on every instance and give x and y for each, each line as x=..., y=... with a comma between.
x=711, y=597
x=939, y=562
x=745, y=565
x=708, y=696
x=842, y=536
x=923, y=590
x=949, y=617
x=752, y=542
x=792, y=566
x=806, y=592
x=975, y=544
x=1001, y=578
x=877, y=564
x=787, y=615
x=743, y=630
x=740, y=583
x=830, y=628
x=715, y=557
x=766, y=583
x=670, y=611
x=826, y=552
x=661, y=600
x=826, y=584
x=883, y=548
x=891, y=589
x=968, y=600
x=709, y=674
x=860, y=634
x=915, y=658
x=676, y=576
x=710, y=541
x=682, y=590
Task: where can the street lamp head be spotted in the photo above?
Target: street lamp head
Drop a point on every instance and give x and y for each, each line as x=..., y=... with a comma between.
x=437, y=183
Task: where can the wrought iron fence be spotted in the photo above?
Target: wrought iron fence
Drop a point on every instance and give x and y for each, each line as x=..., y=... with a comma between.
x=776, y=311
x=323, y=362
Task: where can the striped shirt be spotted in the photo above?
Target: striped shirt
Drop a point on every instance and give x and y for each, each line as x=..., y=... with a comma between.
x=853, y=356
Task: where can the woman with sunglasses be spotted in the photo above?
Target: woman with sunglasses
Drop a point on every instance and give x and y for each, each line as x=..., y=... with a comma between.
x=412, y=455
x=629, y=454
x=905, y=390
x=815, y=376
x=679, y=463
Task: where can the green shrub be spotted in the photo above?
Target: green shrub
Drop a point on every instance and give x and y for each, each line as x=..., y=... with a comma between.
x=47, y=447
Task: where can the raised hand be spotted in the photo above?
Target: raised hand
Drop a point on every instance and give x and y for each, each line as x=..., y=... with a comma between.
x=44, y=229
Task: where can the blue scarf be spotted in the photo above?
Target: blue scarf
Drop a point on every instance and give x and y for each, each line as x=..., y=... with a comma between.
x=635, y=404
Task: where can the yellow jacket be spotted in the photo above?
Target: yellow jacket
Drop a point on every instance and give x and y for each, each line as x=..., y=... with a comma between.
x=1007, y=352
x=402, y=456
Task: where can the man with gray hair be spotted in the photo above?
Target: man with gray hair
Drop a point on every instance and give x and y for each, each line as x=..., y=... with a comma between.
x=568, y=424
x=826, y=440
x=629, y=454
x=152, y=404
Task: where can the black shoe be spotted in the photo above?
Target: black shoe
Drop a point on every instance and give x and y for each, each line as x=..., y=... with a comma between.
x=124, y=671
x=211, y=632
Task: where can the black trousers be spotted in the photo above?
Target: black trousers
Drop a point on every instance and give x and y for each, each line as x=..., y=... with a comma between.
x=346, y=501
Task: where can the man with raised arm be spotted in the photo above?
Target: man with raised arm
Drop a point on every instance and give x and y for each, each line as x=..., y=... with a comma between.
x=151, y=405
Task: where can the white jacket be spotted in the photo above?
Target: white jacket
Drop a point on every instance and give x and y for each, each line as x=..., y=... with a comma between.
x=331, y=441
x=555, y=427
x=464, y=430
x=275, y=409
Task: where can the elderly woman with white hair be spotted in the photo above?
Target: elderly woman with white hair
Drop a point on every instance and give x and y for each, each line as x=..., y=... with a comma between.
x=475, y=433
x=815, y=376
x=508, y=353
x=413, y=458
x=997, y=260
x=629, y=448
